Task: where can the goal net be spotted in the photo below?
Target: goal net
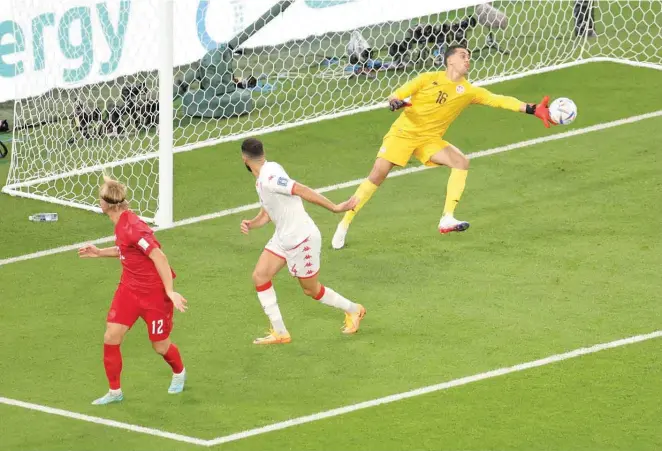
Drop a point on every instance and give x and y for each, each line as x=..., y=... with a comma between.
x=118, y=86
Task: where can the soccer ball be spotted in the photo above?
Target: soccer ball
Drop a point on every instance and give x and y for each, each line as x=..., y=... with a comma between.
x=563, y=111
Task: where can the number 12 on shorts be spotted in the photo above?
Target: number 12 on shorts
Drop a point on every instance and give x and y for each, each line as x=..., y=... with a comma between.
x=157, y=327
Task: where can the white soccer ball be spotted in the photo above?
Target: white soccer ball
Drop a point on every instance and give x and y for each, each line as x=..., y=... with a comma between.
x=563, y=111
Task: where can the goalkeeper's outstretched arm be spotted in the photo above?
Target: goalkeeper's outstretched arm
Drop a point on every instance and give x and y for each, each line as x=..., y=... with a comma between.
x=540, y=110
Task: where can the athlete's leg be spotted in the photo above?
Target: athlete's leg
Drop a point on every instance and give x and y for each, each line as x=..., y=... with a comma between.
x=123, y=313
x=395, y=151
x=158, y=318
x=270, y=262
x=451, y=156
x=308, y=258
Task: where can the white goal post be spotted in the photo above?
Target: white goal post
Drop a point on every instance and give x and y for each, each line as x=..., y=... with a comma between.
x=119, y=86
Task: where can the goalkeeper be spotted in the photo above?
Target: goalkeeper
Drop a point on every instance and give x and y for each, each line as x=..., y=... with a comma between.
x=437, y=99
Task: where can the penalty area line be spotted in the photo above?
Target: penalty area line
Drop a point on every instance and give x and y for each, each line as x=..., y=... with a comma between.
x=103, y=421
x=341, y=410
x=351, y=183
x=434, y=388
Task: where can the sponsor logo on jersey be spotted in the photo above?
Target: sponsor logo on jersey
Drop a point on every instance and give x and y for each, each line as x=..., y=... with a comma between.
x=460, y=89
x=282, y=181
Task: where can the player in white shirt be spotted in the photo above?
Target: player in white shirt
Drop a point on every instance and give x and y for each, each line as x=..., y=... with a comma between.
x=297, y=242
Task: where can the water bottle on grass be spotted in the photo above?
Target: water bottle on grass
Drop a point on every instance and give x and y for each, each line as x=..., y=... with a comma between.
x=43, y=217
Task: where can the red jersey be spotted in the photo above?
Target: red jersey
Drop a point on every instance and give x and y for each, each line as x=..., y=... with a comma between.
x=135, y=240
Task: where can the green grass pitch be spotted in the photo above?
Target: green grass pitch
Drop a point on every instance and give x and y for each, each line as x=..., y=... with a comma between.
x=564, y=251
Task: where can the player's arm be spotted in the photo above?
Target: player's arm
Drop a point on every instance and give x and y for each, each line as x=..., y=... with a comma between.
x=312, y=196
x=397, y=99
x=91, y=251
x=258, y=221
x=485, y=97
x=288, y=187
x=143, y=239
x=163, y=268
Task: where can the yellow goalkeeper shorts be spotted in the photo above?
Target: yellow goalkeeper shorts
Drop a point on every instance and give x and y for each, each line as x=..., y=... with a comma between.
x=398, y=150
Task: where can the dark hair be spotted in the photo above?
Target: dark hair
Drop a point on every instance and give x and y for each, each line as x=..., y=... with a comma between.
x=252, y=148
x=450, y=51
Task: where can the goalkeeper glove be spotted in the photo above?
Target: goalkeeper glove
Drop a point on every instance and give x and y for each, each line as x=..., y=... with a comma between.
x=541, y=111
x=396, y=104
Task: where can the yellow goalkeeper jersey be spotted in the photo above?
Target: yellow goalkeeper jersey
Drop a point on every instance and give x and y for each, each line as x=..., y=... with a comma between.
x=437, y=101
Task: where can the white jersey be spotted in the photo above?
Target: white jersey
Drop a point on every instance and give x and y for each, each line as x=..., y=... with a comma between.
x=293, y=225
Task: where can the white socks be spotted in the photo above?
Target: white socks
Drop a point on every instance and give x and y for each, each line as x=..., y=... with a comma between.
x=267, y=296
x=329, y=297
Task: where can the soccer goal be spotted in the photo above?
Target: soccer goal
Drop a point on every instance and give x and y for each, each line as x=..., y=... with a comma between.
x=119, y=86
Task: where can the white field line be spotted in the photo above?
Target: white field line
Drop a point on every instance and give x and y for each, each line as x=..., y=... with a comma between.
x=376, y=106
x=342, y=410
x=103, y=421
x=397, y=173
x=433, y=388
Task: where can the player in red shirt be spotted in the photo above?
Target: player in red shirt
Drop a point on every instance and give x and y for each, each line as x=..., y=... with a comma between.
x=145, y=291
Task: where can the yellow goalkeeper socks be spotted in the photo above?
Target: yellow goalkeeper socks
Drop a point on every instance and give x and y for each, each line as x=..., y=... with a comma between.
x=364, y=192
x=456, y=182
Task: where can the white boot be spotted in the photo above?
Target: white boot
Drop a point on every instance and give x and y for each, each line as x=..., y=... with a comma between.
x=177, y=383
x=448, y=224
x=338, y=241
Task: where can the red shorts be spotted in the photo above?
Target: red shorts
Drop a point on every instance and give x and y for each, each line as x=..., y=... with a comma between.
x=155, y=308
